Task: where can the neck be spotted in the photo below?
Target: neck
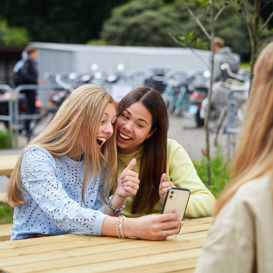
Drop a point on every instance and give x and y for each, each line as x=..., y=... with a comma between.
x=75, y=155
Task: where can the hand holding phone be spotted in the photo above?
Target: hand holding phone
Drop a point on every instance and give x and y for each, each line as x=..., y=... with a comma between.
x=176, y=200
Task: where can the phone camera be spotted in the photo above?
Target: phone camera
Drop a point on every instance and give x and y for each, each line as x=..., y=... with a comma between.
x=172, y=192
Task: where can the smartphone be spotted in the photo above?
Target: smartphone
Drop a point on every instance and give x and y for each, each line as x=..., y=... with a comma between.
x=176, y=200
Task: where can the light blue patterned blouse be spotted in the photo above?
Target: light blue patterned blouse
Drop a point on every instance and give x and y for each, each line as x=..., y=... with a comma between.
x=53, y=195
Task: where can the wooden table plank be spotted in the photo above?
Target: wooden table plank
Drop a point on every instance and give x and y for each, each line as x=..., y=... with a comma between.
x=144, y=260
x=5, y=232
x=7, y=164
x=78, y=253
x=60, y=251
x=162, y=267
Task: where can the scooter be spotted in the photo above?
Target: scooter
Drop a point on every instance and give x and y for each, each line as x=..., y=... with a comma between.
x=199, y=86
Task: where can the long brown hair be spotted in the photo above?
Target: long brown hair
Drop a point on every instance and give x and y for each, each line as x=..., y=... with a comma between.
x=154, y=158
x=254, y=155
x=79, y=116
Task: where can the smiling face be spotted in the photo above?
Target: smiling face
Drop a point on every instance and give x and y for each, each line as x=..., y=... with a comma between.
x=106, y=127
x=134, y=125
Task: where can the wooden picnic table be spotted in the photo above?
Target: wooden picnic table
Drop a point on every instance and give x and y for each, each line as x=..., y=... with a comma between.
x=7, y=164
x=79, y=253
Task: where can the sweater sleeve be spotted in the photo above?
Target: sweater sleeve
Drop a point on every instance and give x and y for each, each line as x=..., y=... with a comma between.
x=40, y=180
x=182, y=173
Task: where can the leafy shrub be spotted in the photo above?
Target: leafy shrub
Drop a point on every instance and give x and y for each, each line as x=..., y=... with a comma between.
x=6, y=214
x=5, y=140
x=220, y=171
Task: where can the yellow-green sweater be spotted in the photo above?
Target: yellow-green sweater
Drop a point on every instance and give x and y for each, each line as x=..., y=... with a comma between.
x=181, y=172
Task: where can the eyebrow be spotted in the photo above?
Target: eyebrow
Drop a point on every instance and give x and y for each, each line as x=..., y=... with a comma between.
x=140, y=119
x=106, y=114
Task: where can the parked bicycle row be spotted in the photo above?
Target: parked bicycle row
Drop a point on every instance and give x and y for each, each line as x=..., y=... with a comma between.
x=182, y=91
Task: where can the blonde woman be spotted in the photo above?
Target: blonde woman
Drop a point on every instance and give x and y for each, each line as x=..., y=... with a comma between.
x=62, y=179
x=241, y=239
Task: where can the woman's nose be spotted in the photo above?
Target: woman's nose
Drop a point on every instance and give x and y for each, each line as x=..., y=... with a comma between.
x=108, y=128
x=128, y=126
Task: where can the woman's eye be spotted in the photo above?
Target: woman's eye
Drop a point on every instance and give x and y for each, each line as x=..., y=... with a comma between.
x=139, y=125
x=102, y=122
x=125, y=116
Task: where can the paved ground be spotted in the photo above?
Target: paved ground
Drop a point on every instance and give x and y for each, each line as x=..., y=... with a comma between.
x=181, y=129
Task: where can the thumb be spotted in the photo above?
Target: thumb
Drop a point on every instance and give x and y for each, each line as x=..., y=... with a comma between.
x=163, y=178
x=131, y=165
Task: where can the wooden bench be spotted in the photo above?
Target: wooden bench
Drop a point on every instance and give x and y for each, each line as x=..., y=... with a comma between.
x=3, y=198
x=5, y=232
x=7, y=164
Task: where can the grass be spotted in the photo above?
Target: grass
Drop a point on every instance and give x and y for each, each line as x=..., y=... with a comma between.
x=5, y=140
x=6, y=213
x=220, y=169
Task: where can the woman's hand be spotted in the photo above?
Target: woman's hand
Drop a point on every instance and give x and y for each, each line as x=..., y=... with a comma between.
x=128, y=182
x=152, y=227
x=164, y=186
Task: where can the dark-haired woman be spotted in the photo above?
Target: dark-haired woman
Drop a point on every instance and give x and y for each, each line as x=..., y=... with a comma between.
x=142, y=127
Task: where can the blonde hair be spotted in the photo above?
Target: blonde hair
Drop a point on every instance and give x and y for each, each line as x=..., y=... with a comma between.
x=254, y=154
x=79, y=116
x=218, y=42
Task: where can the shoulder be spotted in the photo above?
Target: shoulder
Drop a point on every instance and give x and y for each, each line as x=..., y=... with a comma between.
x=173, y=144
x=251, y=200
x=174, y=147
x=255, y=191
x=35, y=152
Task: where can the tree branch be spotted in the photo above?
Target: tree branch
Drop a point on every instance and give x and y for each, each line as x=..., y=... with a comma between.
x=246, y=17
x=193, y=51
x=221, y=10
x=199, y=23
x=267, y=21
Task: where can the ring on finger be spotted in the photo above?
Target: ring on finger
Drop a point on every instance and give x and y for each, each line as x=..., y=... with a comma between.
x=133, y=185
x=162, y=233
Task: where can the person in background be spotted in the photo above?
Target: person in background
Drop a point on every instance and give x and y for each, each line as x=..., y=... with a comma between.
x=240, y=239
x=223, y=54
x=62, y=179
x=30, y=76
x=142, y=128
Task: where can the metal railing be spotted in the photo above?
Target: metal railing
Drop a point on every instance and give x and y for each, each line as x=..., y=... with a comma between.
x=236, y=106
x=14, y=116
x=10, y=117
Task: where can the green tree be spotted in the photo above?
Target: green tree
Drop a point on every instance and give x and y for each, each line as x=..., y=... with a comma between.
x=63, y=21
x=148, y=23
x=257, y=27
x=138, y=23
x=12, y=36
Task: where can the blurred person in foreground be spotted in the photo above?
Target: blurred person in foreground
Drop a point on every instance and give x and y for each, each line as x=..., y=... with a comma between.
x=241, y=239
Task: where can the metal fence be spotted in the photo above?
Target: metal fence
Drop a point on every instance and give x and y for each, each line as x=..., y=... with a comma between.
x=236, y=111
x=14, y=116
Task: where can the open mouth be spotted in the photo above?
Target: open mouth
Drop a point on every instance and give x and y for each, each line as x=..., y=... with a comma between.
x=124, y=137
x=101, y=141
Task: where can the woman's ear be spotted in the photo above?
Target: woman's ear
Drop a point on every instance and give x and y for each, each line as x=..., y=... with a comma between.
x=151, y=133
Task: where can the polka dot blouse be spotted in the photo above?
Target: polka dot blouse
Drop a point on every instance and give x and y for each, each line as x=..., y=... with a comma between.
x=52, y=190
